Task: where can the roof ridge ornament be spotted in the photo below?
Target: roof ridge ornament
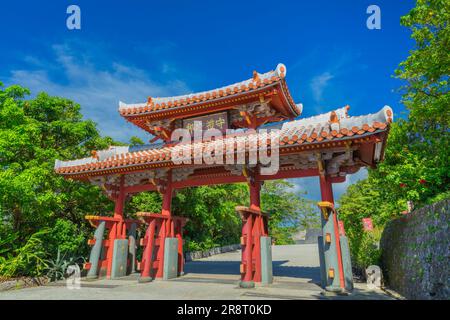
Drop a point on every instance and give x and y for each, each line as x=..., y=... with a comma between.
x=389, y=114
x=281, y=70
x=346, y=108
x=256, y=76
x=94, y=154
x=333, y=117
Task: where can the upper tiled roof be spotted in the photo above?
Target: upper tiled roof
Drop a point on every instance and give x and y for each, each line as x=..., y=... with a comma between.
x=258, y=81
x=332, y=126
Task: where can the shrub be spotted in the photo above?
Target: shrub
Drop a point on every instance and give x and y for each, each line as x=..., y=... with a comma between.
x=57, y=267
x=365, y=250
x=28, y=260
x=65, y=236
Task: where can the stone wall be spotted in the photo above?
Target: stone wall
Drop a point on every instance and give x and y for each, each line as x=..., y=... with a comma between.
x=189, y=256
x=415, y=253
x=309, y=236
x=24, y=282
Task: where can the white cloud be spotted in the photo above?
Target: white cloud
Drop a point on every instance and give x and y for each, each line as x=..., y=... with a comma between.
x=98, y=91
x=318, y=85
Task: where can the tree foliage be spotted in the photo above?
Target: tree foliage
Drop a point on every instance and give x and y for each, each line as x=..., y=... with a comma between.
x=288, y=210
x=33, y=133
x=416, y=166
x=213, y=220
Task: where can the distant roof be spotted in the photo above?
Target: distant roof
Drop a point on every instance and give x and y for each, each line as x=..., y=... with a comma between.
x=257, y=82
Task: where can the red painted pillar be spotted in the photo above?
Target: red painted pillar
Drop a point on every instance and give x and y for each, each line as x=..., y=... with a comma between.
x=160, y=255
x=326, y=190
x=251, y=230
x=120, y=200
x=179, y=235
x=255, y=204
x=166, y=206
x=167, y=200
x=148, y=253
x=118, y=210
x=109, y=254
x=255, y=195
x=118, y=229
x=247, y=252
x=166, y=227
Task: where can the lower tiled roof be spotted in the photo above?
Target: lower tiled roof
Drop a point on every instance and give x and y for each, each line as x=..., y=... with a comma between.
x=330, y=126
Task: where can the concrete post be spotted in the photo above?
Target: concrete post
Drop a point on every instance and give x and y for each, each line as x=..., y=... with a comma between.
x=347, y=263
x=170, y=258
x=266, y=261
x=96, y=251
x=323, y=272
x=119, y=258
x=331, y=255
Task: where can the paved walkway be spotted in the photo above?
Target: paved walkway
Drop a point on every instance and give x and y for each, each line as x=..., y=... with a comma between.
x=296, y=276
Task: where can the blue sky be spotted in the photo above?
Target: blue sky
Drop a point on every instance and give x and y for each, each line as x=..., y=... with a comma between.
x=129, y=50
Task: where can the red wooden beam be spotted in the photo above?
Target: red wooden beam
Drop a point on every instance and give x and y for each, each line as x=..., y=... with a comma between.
x=208, y=181
x=227, y=179
x=140, y=188
x=293, y=173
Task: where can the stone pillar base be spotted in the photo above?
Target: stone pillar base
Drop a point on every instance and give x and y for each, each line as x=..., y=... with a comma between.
x=329, y=290
x=246, y=284
x=144, y=279
x=266, y=261
x=170, y=258
x=120, y=255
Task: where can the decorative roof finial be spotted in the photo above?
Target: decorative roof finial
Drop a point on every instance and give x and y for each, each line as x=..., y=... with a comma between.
x=281, y=70
x=333, y=117
x=255, y=76
x=389, y=114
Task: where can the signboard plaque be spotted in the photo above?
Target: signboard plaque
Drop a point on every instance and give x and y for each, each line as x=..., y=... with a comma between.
x=211, y=121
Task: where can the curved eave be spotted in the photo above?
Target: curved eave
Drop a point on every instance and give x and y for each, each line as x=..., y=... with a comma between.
x=163, y=160
x=220, y=104
x=156, y=108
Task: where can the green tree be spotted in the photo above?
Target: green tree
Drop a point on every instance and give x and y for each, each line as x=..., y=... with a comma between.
x=210, y=209
x=416, y=166
x=213, y=220
x=288, y=210
x=136, y=141
x=420, y=144
x=33, y=133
